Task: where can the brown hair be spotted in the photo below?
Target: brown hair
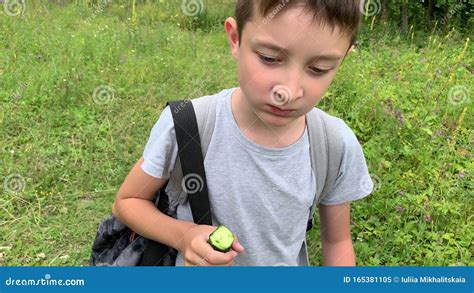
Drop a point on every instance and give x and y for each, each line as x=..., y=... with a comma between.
x=346, y=14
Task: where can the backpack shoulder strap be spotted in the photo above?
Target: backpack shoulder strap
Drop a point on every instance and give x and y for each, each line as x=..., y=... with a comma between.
x=194, y=182
x=191, y=121
x=326, y=154
x=205, y=111
x=205, y=108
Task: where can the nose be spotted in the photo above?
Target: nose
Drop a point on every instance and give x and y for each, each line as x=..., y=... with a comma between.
x=295, y=82
x=292, y=86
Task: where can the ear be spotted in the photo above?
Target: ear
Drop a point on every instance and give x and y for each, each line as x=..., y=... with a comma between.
x=232, y=36
x=351, y=49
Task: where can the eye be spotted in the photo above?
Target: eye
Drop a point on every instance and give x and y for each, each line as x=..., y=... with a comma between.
x=267, y=60
x=318, y=71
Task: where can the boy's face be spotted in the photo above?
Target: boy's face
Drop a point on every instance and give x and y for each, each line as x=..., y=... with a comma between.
x=293, y=79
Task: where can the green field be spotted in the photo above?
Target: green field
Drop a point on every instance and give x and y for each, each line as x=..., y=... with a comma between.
x=82, y=86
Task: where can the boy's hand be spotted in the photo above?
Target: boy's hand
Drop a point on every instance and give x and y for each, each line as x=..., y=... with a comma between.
x=197, y=252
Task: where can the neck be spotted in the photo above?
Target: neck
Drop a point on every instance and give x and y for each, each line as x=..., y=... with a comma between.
x=260, y=132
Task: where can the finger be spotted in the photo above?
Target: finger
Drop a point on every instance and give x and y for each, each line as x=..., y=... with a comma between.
x=198, y=262
x=220, y=265
x=236, y=245
x=220, y=258
x=195, y=260
x=215, y=257
x=223, y=265
x=203, y=262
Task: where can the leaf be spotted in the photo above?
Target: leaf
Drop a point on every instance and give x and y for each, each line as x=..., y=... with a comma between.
x=447, y=236
x=428, y=131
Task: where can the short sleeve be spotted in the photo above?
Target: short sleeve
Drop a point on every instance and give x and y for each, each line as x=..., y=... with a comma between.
x=353, y=181
x=161, y=149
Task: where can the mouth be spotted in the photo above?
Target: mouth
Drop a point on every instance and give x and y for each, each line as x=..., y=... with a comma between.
x=280, y=112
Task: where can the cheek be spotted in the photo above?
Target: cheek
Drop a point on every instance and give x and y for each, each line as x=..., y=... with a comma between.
x=254, y=79
x=319, y=87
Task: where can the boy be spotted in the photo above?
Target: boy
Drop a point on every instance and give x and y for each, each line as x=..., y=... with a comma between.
x=258, y=167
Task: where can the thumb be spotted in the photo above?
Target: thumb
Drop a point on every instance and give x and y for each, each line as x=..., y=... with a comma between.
x=237, y=246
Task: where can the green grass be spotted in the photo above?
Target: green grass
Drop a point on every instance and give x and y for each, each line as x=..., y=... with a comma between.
x=64, y=156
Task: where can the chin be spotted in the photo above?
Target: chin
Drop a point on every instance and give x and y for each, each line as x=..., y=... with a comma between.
x=276, y=121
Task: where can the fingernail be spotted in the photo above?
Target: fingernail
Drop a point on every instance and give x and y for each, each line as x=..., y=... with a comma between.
x=234, y=253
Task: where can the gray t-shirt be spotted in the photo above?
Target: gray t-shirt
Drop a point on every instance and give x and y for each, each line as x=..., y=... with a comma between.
x=262, y=194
